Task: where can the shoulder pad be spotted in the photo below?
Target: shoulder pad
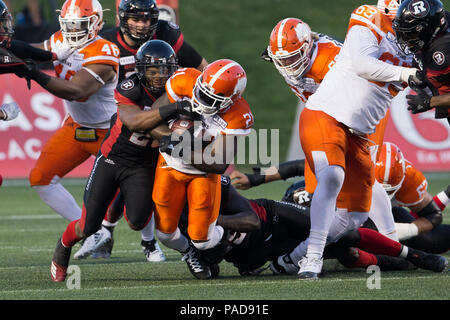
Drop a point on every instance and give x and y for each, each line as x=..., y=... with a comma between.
x=168, y=31
x=130, y=88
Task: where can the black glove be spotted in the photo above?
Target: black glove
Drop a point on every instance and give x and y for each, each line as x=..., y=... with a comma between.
x=418, y=103
x=184, y=107
x=168, y=143
x=417, y=81
x=265, y=56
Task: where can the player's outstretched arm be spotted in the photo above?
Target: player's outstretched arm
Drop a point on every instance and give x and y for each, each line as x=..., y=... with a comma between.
x=285, y=170
x=82, y=85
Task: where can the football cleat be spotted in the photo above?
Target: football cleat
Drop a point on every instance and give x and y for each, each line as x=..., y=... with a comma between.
x=94, y=243
x=427, y=261
x=310, y=268
x=387, y=263
x=196, y=266
x=152, y=251
x=60, y=262
x=283, y=265
x=215, y=270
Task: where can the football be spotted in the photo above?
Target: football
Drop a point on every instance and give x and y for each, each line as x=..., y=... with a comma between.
x=180, y=125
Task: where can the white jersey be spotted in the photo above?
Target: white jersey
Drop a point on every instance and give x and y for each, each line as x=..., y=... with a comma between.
x=325, y=50
x=359, y=88
x=95, y=111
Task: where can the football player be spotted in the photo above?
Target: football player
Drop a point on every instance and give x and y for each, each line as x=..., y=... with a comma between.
x=138, y=23
x=421, y=26
x=334, y=133
x=85, y=79
x=216, y=96
x=260, y=230
x=128, y=155
x=407, y=187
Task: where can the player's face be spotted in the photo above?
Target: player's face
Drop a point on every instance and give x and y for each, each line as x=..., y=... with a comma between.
x=157, y=76
x=139, y=26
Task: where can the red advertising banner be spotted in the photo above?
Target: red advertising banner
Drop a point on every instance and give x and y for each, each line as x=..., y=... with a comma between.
x=23, y=138
x=424, y=140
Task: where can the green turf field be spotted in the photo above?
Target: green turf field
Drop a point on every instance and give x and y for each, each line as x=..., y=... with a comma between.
x=29, y=231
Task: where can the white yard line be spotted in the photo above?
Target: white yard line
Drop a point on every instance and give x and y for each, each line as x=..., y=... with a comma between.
x=202, y=284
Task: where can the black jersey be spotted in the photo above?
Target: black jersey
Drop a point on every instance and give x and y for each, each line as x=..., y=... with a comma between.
x=122, y=145
x=435, y=62
x=166, y=31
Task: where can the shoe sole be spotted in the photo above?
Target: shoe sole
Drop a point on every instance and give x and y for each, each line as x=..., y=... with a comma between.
x=308, y=276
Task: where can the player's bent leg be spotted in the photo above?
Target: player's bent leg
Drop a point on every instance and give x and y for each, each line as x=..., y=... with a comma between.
x=100, y=189
x=60, y=155
x=329, y=183
x=381, y=212
x=59, y=199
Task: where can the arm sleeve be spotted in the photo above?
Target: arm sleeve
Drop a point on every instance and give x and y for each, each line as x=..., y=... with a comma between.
x=363, y=49
x=188, y=57
x=25, y=51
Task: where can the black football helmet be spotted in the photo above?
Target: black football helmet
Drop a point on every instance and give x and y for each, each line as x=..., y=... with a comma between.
x=156, y=61
x=6, y=24
x=138, y=9
x=418, y=22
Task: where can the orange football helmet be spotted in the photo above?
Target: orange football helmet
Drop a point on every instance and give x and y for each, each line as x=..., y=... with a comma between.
x=390, y=168
x=290, y=47
x=388, y=7
x=80, y=21
x=221, y=83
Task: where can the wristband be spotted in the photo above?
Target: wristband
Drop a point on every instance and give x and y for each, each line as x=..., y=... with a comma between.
x=255, y=179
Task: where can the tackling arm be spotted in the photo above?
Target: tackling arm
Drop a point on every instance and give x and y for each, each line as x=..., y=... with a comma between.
x=284, y=171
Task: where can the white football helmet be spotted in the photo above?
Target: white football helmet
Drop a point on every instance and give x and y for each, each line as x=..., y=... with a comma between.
x=80, y=21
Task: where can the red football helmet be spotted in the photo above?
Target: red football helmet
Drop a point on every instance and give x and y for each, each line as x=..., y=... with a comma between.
x=221, y=83
x=388, y=7
x=390, y=168
x=291, y=46
x=80, y=21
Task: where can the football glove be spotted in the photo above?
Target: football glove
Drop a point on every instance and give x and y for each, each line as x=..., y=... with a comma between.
x=418, y=103
x=10, y=110
x=168, y=143
x=62, y=50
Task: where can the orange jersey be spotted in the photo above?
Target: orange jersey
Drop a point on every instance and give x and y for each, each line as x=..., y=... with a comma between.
x=322, y=59
x=236, y=120
x=95, y=111
x=413, y=188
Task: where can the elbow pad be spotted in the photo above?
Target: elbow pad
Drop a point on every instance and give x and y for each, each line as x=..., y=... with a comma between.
x=432, y=213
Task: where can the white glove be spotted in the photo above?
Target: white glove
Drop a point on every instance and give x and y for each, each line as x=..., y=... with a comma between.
x=62, y=50
x=407, y=72
x=11, y=110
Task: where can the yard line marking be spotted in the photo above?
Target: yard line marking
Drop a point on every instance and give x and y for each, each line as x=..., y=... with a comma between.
x=219, y=284
x=32, y=217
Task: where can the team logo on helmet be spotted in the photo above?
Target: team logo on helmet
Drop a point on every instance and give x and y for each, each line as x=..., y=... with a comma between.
x=127, y=85
x=439, y=58
x=419, y=8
